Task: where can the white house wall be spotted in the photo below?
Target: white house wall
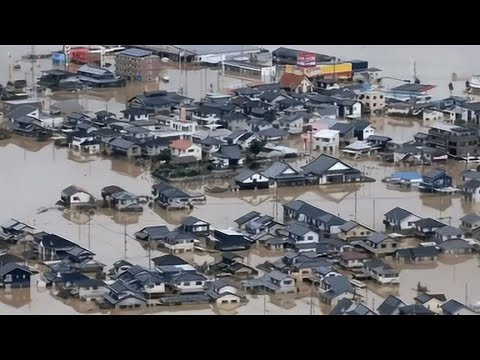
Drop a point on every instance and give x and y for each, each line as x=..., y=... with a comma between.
x=257, y=177
x=404, y=224
x=81, y=196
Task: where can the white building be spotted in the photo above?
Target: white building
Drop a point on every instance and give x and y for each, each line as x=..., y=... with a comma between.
x=327, y=140
x=432, y=115
x=184, y=147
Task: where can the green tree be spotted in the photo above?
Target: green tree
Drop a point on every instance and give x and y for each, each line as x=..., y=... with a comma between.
x=256, y=146
x=165, y=155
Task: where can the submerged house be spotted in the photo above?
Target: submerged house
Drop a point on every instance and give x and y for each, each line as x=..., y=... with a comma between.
x=228, y=156
x=332, y=289
x=425, y=228
x=231, y=264
x=274, y=282
x=400, y=220
x=470, y=223
x=379, y=244
x=418, y=254
x=152, y=233
x=382, y=272
x=228, y=240
x=435, y=180
x=354, y=231
x=251, y=180
x=195, y=226
x=349, y=307
x=282, y=174
x=121, y=199
x=14, y=275
x=326, y=169
x=471, y=190
x=13, y=230
x=123, y=147
x=74, y=196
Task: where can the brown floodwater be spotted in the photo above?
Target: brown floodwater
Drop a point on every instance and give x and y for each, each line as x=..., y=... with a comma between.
x=34, y=173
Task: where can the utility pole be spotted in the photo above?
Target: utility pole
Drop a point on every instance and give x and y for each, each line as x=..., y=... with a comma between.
x=89, y=244
x=125, y=238
x=466, y=293
x=34, y=85
x=373, y=221
x=355, y=205
x=149, y=253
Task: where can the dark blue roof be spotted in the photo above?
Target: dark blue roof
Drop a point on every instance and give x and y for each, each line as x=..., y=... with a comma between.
x=389, y=305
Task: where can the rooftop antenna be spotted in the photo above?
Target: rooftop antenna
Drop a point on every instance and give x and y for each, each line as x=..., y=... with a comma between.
x=413, y=71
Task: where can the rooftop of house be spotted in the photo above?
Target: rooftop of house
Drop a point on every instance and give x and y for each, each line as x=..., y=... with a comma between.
x=278, y=168
x=181, y=144
x=291, y=81
x=7, y=268
x=471, y=174
x=378, y=138
x=472, y=184
x=232, y=152
x=339, y=285
x=436, y=173
x=424, y=298
x=53, y=241
x=73, y=189
x=452, y=306
x=349, y=225
x=429, y=223
x=414, y=88
x=353, y=255
x=448, y=231
x=272, y=132
x=277, y=275
x=168, y=260
x=298, y=229
x=326, y=133
x=415, y=309
x=111, y=189
x=418, y=252
x=121, y=143
x=389, y=305
x=454, y=244
x=137, y=53
x=191, y=220
x=247, y=217
x=343, y=128
x=322, y=164
x=470, y=219
x=245, y=174
x=397, y=214
x=10, y=258
x=348, y=307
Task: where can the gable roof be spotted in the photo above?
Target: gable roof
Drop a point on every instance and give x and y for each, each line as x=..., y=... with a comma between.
x=415, y=309
x=245, y=174
x=9, y=258
x=390, y=304
x=247, y=217
x=339, y=284
x=398, y=214
x=121, y=143
x=277, y=168
x=168, y=260
x=434, y=173
x=470, y=218
x=378, y=237
x=454, y=244
x=7, y=268
x=153, y=232
x=322, y=164
x=20, y=111
x=418, y=252
x=423, y=298
x=191, y=220
x=272, y=132
x=360, y=124
x=429, y=223
x=233, y=152
x=298, y=229
x=292, y=81
x=449, y=231
x=73, y=189
x=452, y=306
x=472, y=184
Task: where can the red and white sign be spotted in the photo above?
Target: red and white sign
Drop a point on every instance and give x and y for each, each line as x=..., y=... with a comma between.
x=306, y=59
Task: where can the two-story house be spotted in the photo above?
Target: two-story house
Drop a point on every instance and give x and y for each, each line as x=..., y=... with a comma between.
x=379, y=244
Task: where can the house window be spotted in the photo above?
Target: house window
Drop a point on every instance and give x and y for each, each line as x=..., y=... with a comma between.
x=287, y=282
x=394, y=245
x=191, y=150
x=186, y=283
x=199, y=283
x=381, y=96
x=76, y=198
x=310, y=237
x=224, y=301
x=8, y=278
x=368, y=232
x=362, y=233
x=354, y=233
x=383, y=246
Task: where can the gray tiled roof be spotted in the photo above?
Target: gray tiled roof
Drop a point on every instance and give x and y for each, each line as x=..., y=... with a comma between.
x=390, y=304
x=397, y=214
x=470, y=219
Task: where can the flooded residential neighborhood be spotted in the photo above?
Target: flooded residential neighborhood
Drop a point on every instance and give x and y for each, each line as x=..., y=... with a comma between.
x=239, y=180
